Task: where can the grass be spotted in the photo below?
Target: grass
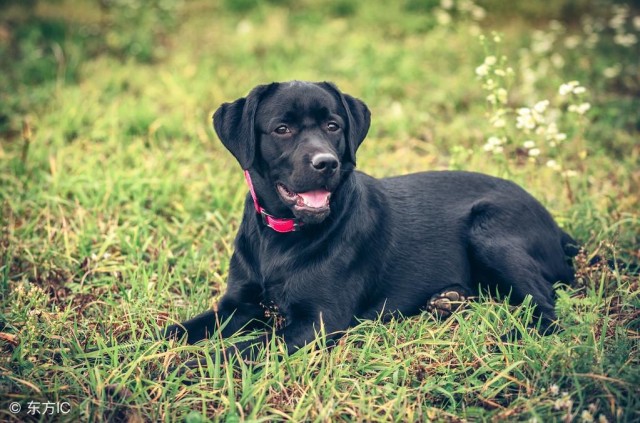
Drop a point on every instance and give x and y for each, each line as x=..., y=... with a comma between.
x=118, y=206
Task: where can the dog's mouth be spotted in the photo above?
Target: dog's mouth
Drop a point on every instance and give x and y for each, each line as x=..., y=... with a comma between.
x=310, y=206
x=311, y=200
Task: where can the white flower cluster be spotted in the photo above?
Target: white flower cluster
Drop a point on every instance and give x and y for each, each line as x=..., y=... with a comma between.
x=553, y=135
x=493, y=71
x=534, y=129
x=535, y=120
x=571, y=87
x=529, y=119
x=580, y=109
x=574, y=87
x=617, y=23
x=485, y=67
x=494, y=144
x=464, y=8
x=566, y=403
x=537, y=59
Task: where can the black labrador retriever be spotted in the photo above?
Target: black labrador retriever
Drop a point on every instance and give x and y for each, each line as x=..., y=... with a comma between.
x=327, y=245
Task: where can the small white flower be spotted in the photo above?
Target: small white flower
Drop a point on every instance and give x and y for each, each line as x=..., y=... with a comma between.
x=586, y=417
x=525, y=119
x=534, y=152
x=396, y=110
x=580, y=109
x=553, y=165
x=499, y=123
x=541, y=106
x=625, y=40
x=528, y=144
x=592, y=40
x=244, y=27
x=556, y=26
x=583, y=108
x=579, y=90
x=617, y=22
x=478, y=13
x=602, y=419
x=482, y=70
x=442, y=17
x=489, y=84
x=490, y=60
x=572, y=41
x=502, y=95
x=557, y=60
x=446, y=4
x=568, y=88
x=636, y=22
x=612, y=71
x=494, y=141
x=491, y=98
x=542, y=42
x=564, y=89
x=494, y=144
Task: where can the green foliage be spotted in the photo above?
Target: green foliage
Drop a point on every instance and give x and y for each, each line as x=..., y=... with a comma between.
x=118, y=207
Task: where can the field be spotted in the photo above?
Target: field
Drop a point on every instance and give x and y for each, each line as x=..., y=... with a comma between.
x=118, y=205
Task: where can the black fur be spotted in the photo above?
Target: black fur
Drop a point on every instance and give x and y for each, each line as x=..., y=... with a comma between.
x=383, y=246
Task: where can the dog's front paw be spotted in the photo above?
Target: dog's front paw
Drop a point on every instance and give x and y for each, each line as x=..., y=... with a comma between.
x=446, y=303
x=175, y=332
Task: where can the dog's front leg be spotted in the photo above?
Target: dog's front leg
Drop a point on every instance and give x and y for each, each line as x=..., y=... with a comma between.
x=238, y=309
x=297, y=334
x=300, y=331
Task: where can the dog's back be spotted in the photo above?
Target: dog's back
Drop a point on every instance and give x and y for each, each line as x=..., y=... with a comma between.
x=456, y=230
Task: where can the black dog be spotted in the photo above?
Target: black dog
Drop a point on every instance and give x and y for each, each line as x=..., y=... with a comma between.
x=327, y=245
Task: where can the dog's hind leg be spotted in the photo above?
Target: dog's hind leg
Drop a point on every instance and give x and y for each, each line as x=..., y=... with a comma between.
x=520, y=251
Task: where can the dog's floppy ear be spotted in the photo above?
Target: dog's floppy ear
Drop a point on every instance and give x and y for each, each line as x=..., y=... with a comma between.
x=359, y=120
x=235, y=125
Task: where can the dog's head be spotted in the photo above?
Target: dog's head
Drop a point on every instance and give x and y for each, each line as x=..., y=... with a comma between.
x=299, y=139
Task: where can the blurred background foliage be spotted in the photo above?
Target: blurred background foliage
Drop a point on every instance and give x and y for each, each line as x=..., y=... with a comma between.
x=44, y=43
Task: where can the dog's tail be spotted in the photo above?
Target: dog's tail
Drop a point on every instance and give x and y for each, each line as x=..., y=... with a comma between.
x=570, y=246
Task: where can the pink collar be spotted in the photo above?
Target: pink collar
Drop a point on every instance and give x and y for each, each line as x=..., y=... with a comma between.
x=277, y=224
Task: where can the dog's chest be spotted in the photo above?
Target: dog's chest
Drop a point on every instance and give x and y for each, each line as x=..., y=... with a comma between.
x=274, y=291
x=282, y=275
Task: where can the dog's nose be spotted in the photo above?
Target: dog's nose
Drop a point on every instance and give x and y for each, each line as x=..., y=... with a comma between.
x=325, y=163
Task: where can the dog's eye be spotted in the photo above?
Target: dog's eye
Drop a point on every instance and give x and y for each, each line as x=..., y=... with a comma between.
x=282, y=130
x=332, y=127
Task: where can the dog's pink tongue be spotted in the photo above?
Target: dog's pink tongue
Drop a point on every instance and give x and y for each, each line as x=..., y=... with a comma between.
x=316, y=199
